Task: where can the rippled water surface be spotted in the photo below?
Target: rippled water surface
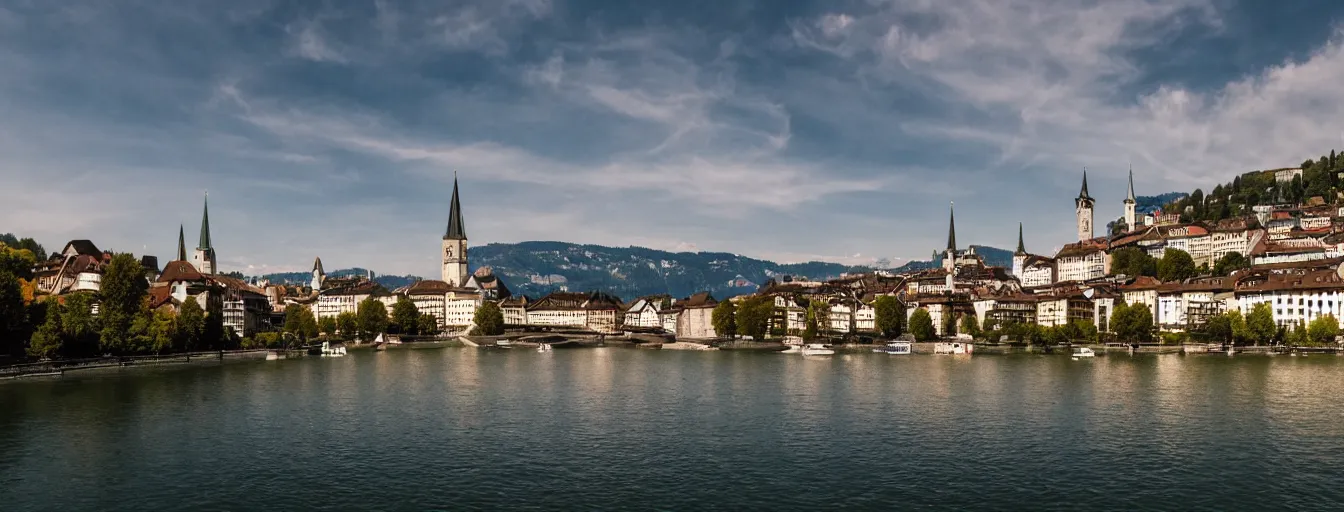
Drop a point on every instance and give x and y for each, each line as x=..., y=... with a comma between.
x=463, y=429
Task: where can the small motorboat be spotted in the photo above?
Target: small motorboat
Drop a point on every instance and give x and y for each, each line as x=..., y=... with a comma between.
x=895, y=348
x=504, y=344
x=1082, y=352
x=544, y=347
x=329, y=350
x=817, y=349
x=953, y=348
x=793, y=349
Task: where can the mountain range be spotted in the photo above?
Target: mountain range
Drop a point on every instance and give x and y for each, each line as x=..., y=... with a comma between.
x=537, y=268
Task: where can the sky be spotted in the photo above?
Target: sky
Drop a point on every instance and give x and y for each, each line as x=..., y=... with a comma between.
x=828, y=130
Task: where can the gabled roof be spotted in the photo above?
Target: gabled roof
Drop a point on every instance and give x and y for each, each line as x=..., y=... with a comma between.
x=456, y=231
x=180, y=271
x=83, y=247
x=428, y=287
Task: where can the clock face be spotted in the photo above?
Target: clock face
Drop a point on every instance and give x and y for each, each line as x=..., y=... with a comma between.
x=448, y=253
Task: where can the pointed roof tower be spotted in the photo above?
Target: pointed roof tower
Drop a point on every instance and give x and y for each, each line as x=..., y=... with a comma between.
x=455, y=229
x=205, y=226
x=181, y=243
x=1021, y=246
x=1130, y=198
x=317, y=266
x=1083, y=193
x=952, y=229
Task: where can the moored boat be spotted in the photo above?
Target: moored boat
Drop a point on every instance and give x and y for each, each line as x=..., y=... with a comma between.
x=896, y=348
x=953, y=347
x=329, y=350
x=817, y=349
x=1080, y=352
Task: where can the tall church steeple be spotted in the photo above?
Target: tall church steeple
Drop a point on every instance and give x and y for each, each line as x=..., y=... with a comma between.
x=950, y=255
x=181, y=243
x=204, y=257
x=455, y=244
x=1131, y=203
x=1083, y=211
x=1021, y=246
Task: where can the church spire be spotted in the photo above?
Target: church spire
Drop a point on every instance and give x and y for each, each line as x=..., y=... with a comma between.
x=181, y=243
x=952, y=229
x=1021, y=246
x=1130, y=198
x=205, y=226
x=1083, y=194
x=455, y=229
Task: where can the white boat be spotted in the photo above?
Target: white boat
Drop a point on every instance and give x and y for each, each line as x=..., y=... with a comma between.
x=1083, y=352
x=330, y=351
x=544, y=347
x=816, y=349
x=896, y=348
x=504, y=343
x=793, y=349
x=955, y=348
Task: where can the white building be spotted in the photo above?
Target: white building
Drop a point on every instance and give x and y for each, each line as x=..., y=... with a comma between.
x=1082, y=261
x=1293, y=297
x=459, y=308
x=429, y=297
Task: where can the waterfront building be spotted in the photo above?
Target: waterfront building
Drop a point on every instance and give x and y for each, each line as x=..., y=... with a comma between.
x=344, y=295
x=488, y=284
x=1293, y=297
x=204, y=256
x=459, y=308
x=643, y=312
x=429, y=297
x=695, y=319
x=1082, y=261
x=455, y=245
x=595, y=311
x=667, y=318
x=77, y=267
x=996, y=312
x=865, y=317
x=1029, y=269
x=1237, y=235
x=515, y=310
x=245, y=308
x=180, y=280
x=840, y=317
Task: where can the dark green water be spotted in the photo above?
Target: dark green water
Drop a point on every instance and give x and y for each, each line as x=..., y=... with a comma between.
x=462, y=429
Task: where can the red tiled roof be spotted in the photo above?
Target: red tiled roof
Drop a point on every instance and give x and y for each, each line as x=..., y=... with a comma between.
x=180, y=271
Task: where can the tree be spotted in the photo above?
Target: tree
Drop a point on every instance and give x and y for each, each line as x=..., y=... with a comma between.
x=753, y=316
x=969, y=325
x=1237, y=324
x=427, y=325
x=347, y=324
x=162, y=330
x=949, y=324
x=1260, y=323
x=1176, y=265
x=299, y=321
x=1229, y=262
x=406, y=317
x=13, y=313
x=372, y=318
x=123, y=290
x=889, y=315
x=47, y=341
x=489, y=319
x=1323, y=329
x=724, y=319
x=1133, y=323
x=191, y=325
x=921, y=325
x=1219, y=328
x=327, y=325
x=810, y=331
x=1133, y=262
x=1083, y=330
x=1298, y=336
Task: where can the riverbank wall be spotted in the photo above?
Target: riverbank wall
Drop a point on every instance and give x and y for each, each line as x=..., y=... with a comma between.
x=60, y=367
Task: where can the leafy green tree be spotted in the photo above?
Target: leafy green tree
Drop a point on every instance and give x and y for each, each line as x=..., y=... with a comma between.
x=1298, y=336
x=489, y=319
x=724, y=319
x=327, y=325
x=1176, y=265
x=163, y=330
x=1229, y=262
x=123, y=290
x=1237, y=323
x=1219, y=328
x=27, y=244
x=810, y=330
x=428, y=325
x=1133, y=323
x=372, y=318
x=889, y=315
x=1323, y=329
x=753, y=316
x=1133, y=262
x=1260, y=323
x=406, y=317
x=921, y=325
x=347, y=325
x=13, y=313
x=299, y=321
x=969, y=325
x=1083, y=330
x=191, y=326
x=79, y=328
x=949, y=324
x=48, y=342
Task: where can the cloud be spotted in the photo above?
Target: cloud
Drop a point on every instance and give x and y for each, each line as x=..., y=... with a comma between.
x=310, y=44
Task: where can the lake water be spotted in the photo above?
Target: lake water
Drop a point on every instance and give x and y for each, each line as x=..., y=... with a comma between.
x=465, y=429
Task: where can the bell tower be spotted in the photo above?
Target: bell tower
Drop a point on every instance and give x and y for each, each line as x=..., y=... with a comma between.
x=455, y=245
x=1130, y=203
x=1084, y=203
x=204, y=256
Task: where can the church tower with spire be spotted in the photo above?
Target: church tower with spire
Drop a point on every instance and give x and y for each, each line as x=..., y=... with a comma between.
x=1084, y=204
x=455, y=245
x=1131, y=203
x=950, y=254
x=204, y=257
x=1020, y=256
x=181, y=243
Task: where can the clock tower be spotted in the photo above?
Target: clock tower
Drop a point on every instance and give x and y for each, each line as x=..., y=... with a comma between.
x=455, y=245
x=1084, y=204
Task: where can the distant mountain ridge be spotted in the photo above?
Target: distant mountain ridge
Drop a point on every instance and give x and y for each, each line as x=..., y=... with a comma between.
x=538, y=268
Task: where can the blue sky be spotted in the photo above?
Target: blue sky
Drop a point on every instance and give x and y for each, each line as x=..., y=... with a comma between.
x=826, y=130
